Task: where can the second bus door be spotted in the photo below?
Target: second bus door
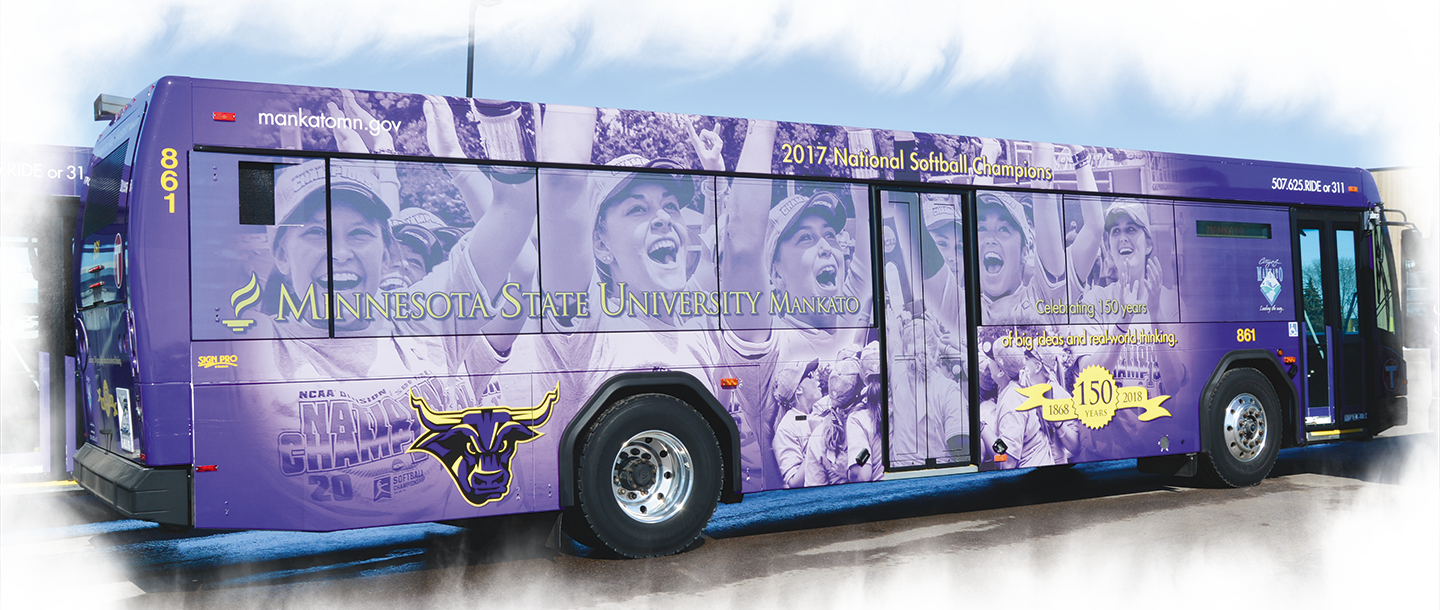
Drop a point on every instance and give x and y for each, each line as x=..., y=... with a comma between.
x=924, y=308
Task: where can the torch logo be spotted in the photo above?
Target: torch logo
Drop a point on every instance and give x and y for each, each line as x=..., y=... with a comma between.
x=242, y=299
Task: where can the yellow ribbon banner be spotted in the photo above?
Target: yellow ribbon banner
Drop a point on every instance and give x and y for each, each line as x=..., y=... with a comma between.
x=1095, y=400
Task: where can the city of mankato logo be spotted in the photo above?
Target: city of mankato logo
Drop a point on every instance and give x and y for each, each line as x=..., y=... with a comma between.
x=1270, y=275
x=476, y=444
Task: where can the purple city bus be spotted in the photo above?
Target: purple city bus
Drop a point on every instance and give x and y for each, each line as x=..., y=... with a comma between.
x=305, y=308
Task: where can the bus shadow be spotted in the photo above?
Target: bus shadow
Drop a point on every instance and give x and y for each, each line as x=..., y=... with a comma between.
x=161, y=561
x=158, y=561
x=1385, y=460
x=795, y=510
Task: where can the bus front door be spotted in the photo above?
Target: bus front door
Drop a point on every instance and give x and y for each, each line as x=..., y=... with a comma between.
x=925, y=328
x=1334, y=293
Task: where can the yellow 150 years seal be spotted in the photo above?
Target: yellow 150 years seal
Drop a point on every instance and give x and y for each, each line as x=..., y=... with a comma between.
x=1095, y=400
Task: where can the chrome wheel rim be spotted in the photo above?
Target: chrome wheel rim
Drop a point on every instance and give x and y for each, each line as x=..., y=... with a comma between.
x=652, y=476
x=1246, y=430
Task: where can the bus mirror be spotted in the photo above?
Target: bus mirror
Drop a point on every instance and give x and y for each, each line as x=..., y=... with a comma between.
x=107, y=107
x=1411, y=245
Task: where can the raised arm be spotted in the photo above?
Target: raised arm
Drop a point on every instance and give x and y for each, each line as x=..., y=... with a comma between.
x=860, y=261
x=1084, y=172
x=708, y=146
x=747, y=207
x=1086, y=248
x=1049, y=217
x=990, y=151
x=1049, y=234
x=501, y=331
x=346, y=139
x=363, y=140
x=500, y=231
x=566, y=135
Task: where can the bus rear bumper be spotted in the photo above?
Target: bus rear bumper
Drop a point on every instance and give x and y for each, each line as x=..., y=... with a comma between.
x=161, y=495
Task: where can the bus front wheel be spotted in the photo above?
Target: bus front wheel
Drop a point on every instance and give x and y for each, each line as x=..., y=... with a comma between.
x=648, y=478
x=1244, y=427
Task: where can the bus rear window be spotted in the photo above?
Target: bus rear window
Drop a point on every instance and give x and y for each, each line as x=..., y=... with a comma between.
x=102, y=250
x=102, y=200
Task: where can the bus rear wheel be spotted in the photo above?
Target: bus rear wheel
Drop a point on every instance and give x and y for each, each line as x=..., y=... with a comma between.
x=1244, y=425
x=648, y=478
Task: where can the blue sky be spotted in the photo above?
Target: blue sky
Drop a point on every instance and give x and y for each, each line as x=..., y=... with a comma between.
x=1305, y=82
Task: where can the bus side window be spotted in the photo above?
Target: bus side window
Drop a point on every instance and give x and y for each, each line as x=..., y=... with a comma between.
x=1384, y=288
x=814, y=258
x=233, y=222
x=257, y=193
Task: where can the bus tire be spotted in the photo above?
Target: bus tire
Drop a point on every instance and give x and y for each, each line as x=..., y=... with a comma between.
x=648, y=478
x=1244, y=426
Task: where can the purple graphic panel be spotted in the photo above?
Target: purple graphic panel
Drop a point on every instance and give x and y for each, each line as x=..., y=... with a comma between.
x=1079, y=393
x=289, y=117
x=381, y=312
x=1236, y=262
x=340, y=120
x=1133, y=274
x=328, y=455
x=1065, y=394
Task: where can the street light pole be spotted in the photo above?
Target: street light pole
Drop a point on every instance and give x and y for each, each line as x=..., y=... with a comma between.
x=470, y=57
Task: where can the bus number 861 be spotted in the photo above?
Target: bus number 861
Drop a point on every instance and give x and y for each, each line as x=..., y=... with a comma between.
x=169, y=180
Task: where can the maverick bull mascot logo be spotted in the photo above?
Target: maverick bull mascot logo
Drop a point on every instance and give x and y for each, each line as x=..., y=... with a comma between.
x=476, y=444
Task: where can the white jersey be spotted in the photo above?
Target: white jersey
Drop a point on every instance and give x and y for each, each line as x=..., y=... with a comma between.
x=791, y=436
x=862, y=442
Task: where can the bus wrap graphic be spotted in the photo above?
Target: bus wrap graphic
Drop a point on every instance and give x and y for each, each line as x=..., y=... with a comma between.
x=241, y=299
x=408, y=274
x=476, y=444
x=1095, y=400
x=1269, y=273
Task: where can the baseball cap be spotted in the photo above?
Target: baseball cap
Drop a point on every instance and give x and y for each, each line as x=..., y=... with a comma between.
x=606, y=186
x=788, y=378
x=1011, y=206
x=449, y=236
x=844, y=375
x=422, y=231
x=786, y=214
x=416, y=216
x=870, y=359
x=300, y=188
x=1134, y=210
x=939, y=209
x=423, y=241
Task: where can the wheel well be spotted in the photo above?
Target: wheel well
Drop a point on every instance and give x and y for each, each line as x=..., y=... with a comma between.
x=680, y=385
x=1268, y=365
